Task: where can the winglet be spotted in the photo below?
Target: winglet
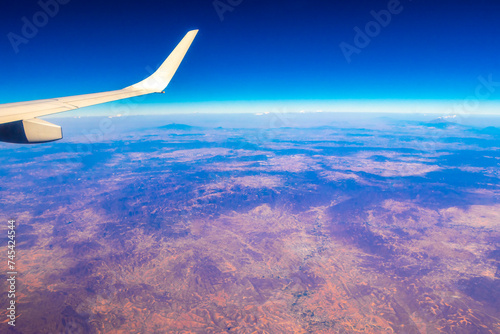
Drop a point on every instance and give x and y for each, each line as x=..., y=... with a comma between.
x=159, y=80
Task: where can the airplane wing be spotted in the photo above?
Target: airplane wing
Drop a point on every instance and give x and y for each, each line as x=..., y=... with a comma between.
x=18, y=122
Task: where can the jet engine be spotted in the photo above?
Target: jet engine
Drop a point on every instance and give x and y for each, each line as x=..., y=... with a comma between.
x=31, y=131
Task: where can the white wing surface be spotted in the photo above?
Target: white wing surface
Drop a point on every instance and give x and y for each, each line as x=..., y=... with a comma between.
x=14, y=117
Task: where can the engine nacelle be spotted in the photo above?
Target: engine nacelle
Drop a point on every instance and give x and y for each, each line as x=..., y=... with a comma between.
x=31, y=131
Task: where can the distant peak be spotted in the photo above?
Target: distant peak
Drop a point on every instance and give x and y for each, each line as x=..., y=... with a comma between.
x=175, y=126
x=491, y=130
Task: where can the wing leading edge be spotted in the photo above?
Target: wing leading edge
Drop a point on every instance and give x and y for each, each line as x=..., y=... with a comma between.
x=13, y=114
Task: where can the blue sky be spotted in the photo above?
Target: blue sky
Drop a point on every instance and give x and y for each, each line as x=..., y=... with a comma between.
x=260, y=51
